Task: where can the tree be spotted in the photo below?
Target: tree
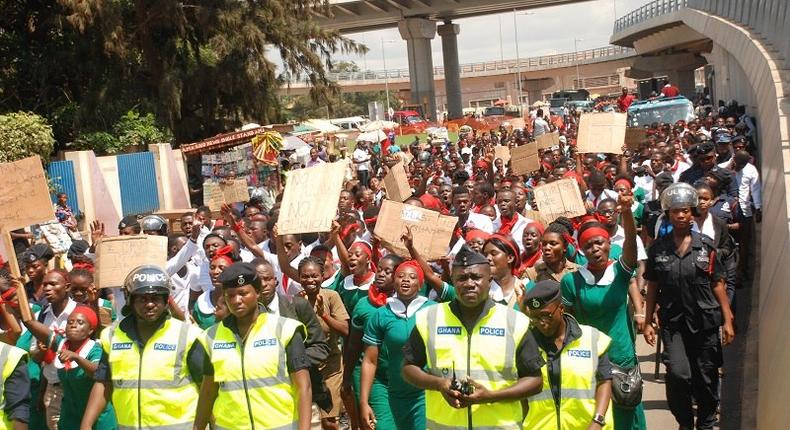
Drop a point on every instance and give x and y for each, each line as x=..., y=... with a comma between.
x=23, y=134
x=200, y=65
x=300, y=108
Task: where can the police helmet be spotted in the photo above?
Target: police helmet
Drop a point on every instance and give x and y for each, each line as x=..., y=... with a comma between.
x=155, y=224
x=147, y=279
x=679, y=195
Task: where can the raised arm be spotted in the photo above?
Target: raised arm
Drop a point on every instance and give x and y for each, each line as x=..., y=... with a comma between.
x=625, y=201
x=282, y=259
x=342, y=251
x=433, y=280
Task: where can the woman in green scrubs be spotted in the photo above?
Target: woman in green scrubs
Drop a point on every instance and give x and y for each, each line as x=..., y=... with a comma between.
x=597, y=295
x=389, y=328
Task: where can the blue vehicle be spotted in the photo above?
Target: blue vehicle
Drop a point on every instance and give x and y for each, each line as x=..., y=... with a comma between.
x=667, y=110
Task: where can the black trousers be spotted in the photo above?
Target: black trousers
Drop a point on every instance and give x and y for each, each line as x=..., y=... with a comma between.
x=363, y=176
x=692, y=361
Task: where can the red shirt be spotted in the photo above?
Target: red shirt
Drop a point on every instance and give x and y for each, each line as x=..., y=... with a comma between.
x=624, y=101
x=670, y=91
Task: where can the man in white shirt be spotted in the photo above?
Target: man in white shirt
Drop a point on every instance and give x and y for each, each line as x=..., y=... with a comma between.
x=749, y=208
x=314, y=159
x=361, y=159
x=539, y=126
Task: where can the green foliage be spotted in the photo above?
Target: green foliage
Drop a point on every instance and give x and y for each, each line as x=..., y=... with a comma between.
x=23, y=134
x=132, y=129
x=200, y=67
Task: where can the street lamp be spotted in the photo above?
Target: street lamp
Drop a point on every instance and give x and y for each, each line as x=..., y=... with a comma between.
x=576, y=54
x=518, y=55
x=386, y=74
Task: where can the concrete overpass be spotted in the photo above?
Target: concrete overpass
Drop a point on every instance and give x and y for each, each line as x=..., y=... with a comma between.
x=600, y=70
x=416, y=21
x=745, y=47
x=355, y=16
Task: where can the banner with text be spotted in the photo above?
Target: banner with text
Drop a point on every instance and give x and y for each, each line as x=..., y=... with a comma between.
x=559, y=198
x=431, y=230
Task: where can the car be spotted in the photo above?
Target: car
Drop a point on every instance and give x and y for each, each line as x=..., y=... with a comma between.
x=668, y=110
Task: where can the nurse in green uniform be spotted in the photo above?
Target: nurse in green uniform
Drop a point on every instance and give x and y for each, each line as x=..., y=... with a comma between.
x=76, y=359
x=598, y=296
x=206, y=305
x=356, y=264
x=389, y=328
x=380, y=290
x=433, y=287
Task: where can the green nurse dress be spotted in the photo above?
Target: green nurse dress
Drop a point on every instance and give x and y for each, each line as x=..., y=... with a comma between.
x=77, y=386
x=389, y=328
x=379, y=391
x=603, y=305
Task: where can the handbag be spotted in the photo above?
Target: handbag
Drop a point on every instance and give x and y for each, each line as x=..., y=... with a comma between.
x=627, y=384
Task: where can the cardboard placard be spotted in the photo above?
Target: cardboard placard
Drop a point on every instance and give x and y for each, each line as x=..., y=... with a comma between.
x=536, y=216
x=397, y=183
x=634, y=137
x=217, y=193
x=310, y=200
x=524, y=159
x=503, y=152
x=431, y=230
x=559, y=198
x=117, y=256
x=601, y=132
x=24, y=199
x=547, y=140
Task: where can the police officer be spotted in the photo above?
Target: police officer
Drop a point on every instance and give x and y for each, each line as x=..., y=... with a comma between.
x=256, y=371
x=686, y=279
x=152, y=366
x=129, y=226
x=36, y=260
x=577, y=379
x=154, y=225
x=14, y=388
x=474, y=358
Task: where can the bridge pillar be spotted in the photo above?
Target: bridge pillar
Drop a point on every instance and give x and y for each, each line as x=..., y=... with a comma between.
x=418, y=32
x=452, y=70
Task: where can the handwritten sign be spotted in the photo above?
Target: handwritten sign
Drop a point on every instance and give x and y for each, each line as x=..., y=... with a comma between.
x=524, y=159
x=397, y=184
x=601, y=132
x=503, y=152
x=634, y=137
x=24, y=195
x=217, y=193
x=559, y=198
x=431, y=230
x=547, y=140
x=310, y=200
x=117, y=256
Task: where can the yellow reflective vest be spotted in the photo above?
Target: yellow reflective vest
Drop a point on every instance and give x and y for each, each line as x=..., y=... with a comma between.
x=578, y=366
x=255, y=390
x=487, y=355
x=152, y=388
x=9, y=359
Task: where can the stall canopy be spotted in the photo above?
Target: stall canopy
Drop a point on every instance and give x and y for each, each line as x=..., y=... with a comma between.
x=293, y=143
x=320, y=125
x=372, y=136
x=378, y=125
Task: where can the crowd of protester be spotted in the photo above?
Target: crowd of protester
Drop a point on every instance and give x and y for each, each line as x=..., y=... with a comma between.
x=666, y=243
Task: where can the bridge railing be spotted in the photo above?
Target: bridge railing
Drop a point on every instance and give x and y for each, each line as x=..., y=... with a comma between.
x=648, y=11
x=506, y=66
x=768, y=18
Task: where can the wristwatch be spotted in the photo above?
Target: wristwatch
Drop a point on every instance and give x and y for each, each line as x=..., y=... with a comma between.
x=599, y=419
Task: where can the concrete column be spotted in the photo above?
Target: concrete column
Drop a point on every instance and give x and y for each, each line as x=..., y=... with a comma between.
x=684, y=80
x=418, y=32
x=452, y=69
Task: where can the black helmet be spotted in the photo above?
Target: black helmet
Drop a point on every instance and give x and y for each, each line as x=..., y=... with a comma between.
x=679, y=195
x=154, y=223
x=147, y=279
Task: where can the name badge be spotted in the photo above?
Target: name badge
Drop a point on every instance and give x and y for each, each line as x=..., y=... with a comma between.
x=579, y=353
x=224, y=345
x=121, y=346
x=264, y=342
x=164, y=347
x=448, y=330
x=492, y=331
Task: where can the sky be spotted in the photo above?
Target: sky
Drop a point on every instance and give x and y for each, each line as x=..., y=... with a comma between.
x=546, y=31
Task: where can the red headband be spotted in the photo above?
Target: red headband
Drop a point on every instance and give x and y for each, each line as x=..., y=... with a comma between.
x=5, y=298
x=223, y=254
x=89, y=315
x=476, y=234
x=365, y=247
x=623, y=181
x=538, y=226
x=591, y=233
x=509, y=243
x=414, y=265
